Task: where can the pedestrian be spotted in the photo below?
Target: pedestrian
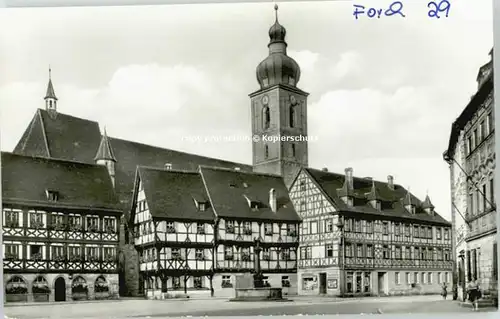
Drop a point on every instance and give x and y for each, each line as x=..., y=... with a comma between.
x=211, y=292
x=474, y=293
x=444, y=292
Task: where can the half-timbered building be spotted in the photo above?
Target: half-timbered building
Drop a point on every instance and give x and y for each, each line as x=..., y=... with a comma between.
x=252, y=209
x=197, y=231
x=173, y=232
x=365, y=237
x=471, y=159
x=60, y=230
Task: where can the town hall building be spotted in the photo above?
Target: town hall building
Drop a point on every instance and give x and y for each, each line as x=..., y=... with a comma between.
x=192, y=224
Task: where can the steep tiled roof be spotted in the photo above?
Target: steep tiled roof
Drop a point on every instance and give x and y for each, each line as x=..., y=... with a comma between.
x=173, y=194
x=392, y=200
x=25, y=180
x=231, y=191
x=75, y=139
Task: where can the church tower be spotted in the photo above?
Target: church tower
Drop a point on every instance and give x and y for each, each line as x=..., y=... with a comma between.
x=50, y=97
x=279, y=111
x=106, y=157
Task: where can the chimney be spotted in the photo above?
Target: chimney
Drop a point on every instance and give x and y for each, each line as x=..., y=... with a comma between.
x=324, y=169
x=272, y=200
x=348, y=176
x=390, y=182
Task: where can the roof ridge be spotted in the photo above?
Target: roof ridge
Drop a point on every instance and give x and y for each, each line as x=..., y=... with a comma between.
x=68, y=115
x=239, y=172
x=182, y=152
x=160, y=169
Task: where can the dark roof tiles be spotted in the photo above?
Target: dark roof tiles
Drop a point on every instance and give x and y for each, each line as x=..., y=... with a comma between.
x=25, y=180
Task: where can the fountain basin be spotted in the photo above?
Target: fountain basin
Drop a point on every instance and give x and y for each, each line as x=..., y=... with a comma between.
x=259, y=294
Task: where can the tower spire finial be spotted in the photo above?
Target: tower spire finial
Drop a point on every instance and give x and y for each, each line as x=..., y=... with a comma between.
x=276, y=11
x=50, y=73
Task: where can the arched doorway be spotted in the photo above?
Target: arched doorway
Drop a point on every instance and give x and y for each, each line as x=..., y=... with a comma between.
x=79, y=289
x=16, y=290
x=40, y=289
x=101, y=288
x=60, y=289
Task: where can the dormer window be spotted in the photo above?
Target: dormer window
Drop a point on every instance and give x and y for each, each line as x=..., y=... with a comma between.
x=201, y=207
x=52, y=195
x=168, y=166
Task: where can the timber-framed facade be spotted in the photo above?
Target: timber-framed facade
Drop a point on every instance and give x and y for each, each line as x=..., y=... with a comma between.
x=365, y=237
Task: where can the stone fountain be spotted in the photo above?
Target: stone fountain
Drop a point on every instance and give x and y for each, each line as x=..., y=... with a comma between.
x=259, y=292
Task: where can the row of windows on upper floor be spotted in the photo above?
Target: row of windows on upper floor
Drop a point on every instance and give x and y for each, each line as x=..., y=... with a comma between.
x=479, y=133
x=383, y=227
x=424, y=278
x=388, y=252
x=291, y=150
x=59, y=252
x=230, y=227
x=229, y=253
x=13, y=218
x=482, y=198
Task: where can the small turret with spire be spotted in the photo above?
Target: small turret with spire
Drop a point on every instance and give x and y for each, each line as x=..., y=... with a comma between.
x=427, y=205
x=408, y=202
x=50, y=97
x=106, y=157
x=374, y=197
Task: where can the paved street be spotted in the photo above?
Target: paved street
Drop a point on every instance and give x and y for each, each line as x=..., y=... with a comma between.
x=222, y=307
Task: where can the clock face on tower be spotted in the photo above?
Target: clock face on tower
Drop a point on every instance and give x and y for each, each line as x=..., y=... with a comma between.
x=265, y=100
x=293, y=100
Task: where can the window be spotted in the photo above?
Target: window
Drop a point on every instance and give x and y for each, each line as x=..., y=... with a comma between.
x=348, y=250
x=229, y=227
x=415, y=232
x=329, y=250
x=265, y=254
x=36, y=252
x=226, y=282
x=57, y=220
x=359, y=251
x=429, y=278
x=446, y=277
x=397, y=278
x=429, y=232
x=247, y=228
x=489, y=124
x=385, y=228
x=170, y=227
x=439, y=277
x=285, y=281
x=492, y=191
x=398, y=252
x=200, y=228
x=11, y=218
x=386, y=252
x=302, y=185
x=292, y=116
x=109, y=253
x=285, y=254
x=408, y=279
x=407, y=253
x=199, y=254
x=446, y=234
x=415, y=278
x=228, y=253
x=176, y=254
x=407, y=231
x=268, y=229
x=11, y=252
x=198, y=282
x=369, y=227
x=369, y=251
x=349, y=282
x=36, y=219
x=266, y=151
x=74, y=253
x=292, y=150
x=245, y=254
x=468, y=146
x=328, y=226
x=92, y=223
x=357, y=226
x=396, y=229
x=314, y=227
x=306, y=252
x=168, y=166
x=92, y=253
x=110, y=224
x=176, y=282
x=266, y=117
x=438, y=233
x=482, y=131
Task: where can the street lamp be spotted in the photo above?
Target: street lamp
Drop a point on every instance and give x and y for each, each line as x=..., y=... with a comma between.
x=340, y=226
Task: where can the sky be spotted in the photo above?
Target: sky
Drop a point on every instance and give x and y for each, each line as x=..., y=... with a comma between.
x=383, y=92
